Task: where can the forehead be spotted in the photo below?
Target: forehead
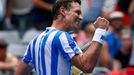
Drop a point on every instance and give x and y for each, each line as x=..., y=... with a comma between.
x=75, y=5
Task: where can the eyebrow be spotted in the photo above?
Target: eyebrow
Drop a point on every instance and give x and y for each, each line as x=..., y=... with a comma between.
x=78, y=11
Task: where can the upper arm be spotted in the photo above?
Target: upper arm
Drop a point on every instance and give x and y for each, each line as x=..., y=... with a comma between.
x=105, y=56
x=23, y=69
x=27, y=56
x=70, y=50
x=68, y=46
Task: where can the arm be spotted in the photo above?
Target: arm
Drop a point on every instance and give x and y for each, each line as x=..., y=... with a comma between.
x=9, y=9
x=7, y=21
x=11, y=63
x=87, y=60
x=104, y=56
x=131, y=8
x=23, y=69
x=43, y=5
x=116, y=65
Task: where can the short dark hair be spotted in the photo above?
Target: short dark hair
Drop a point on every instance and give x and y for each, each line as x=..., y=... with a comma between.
x=62, y=3
x=3, y=44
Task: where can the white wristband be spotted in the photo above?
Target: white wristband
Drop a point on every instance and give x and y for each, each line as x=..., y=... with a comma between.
x=99, y=35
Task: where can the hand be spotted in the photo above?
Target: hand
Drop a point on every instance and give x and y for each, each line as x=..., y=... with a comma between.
x=101, y=23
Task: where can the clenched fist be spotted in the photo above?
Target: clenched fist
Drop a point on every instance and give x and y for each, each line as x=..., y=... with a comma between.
x=101, y=23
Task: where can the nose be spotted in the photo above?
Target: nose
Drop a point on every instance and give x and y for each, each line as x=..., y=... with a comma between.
x=80, y=17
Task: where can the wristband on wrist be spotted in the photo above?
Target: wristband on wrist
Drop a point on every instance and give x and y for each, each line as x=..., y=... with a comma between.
x=99, y=35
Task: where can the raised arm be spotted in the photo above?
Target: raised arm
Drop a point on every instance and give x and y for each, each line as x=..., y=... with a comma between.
x=87, y=60
x=43, y=5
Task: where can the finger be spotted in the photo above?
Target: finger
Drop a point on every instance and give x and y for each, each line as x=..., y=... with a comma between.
x=106, y=21
x=97, y=20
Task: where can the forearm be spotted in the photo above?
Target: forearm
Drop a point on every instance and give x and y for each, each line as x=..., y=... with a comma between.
x=11, y=63
x=89, y=58
x=9, y=9
x=105, y=56
x=116, y=65
x=43, y=5
x=86, y=61
x=7, y=66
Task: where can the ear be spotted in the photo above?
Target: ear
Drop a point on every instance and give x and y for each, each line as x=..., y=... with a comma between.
x=62, y=11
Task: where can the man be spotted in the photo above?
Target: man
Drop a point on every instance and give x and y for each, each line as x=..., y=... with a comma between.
x=125, y=52
x=4, y=14
x=42, y=13
x=54, y=50
x=8, y=62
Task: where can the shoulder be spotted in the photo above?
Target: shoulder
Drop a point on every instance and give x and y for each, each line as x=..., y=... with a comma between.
x=62, y=34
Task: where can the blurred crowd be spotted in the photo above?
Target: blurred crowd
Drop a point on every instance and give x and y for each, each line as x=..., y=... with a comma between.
x=21, y=20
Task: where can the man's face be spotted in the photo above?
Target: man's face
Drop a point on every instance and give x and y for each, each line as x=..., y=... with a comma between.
x=73, y=16
x=117, y=24
x=126, y=43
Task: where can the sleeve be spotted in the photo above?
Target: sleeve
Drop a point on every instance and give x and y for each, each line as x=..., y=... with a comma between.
x=68, y=46
x=27, y=56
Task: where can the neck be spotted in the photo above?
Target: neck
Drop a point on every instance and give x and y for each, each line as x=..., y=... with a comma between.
x=59, y=24
x=117, y=33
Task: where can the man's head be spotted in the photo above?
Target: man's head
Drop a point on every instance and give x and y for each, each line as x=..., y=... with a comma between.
x=69, y=11
x=3, y=47
x=126, y=40
x=116, y=20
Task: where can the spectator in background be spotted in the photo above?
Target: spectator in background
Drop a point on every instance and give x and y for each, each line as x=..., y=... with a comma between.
x=123, y=6
x=92, y=9
x=112, y=39
x=20, y=14
x=41, y=13
x=122, y=56
x=131, y=14
x=7, y=62
x=5, y=22
x=109, y=6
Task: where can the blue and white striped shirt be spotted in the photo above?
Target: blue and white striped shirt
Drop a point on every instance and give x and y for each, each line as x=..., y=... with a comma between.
x=51, y=51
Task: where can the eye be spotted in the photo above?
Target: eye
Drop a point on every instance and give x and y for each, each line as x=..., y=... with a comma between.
x=78, y=12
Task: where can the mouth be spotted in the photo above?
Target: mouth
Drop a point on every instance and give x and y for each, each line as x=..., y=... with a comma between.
x=78, y=22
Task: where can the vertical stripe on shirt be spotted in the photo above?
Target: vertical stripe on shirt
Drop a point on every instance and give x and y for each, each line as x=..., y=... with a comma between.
x=33, y=52
x=47, y=51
